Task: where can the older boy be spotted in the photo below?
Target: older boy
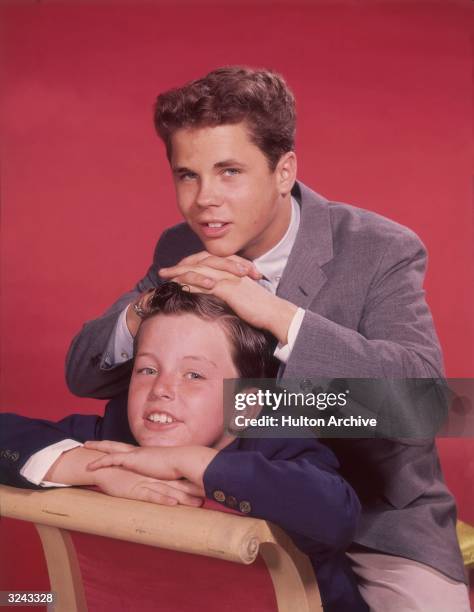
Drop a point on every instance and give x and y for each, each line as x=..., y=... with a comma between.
x=340, y=288
x=188, y=343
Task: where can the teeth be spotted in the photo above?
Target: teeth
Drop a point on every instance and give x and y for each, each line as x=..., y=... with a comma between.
x=159, y=417
x=215, y=224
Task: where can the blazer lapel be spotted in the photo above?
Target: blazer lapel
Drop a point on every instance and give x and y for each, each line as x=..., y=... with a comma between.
x=303, y=277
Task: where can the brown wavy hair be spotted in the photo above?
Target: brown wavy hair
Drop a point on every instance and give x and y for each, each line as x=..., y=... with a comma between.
x=252, y=348
x=230, y=95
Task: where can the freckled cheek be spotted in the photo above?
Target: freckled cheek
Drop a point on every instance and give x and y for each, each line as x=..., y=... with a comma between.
x=138, y=392
x=137, y=399
x=215, y=410
x=206, y=406
x=134, y=409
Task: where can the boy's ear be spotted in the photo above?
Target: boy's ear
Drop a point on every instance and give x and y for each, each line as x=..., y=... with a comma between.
x=250, y=410
x=286, y=172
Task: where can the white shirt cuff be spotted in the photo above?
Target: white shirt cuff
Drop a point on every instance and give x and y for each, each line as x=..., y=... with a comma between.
x=38, y=464
x=123, y=342
x=283, y=351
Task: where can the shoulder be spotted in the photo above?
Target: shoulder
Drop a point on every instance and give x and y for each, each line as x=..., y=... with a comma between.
x=358, y=227
x=364, y=227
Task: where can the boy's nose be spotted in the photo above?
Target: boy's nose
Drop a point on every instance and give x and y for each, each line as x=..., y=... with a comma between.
x=162, y=389
x=207, y=195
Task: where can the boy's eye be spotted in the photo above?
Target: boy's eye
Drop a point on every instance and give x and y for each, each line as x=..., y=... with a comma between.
x=187, y=176
x=231, y=171
x=193, y=375
x=146, y=371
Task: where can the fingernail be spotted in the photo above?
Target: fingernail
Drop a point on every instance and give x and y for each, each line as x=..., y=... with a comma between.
x=242, y=268
x=208, y=282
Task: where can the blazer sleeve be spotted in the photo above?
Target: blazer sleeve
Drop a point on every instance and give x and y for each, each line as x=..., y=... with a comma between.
x=21, y=437
x=292, y=483
x=395, y=336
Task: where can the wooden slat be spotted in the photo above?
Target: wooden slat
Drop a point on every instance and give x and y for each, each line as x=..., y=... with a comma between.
x=63, y=569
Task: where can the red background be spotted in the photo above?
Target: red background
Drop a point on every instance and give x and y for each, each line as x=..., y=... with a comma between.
x=384, y=100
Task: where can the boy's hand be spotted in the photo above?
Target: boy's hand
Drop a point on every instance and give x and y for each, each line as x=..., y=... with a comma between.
x=110, y=446
x=132, y=319
x=246, y=297
x=71, y=469
x=186, y=486
x=162, y=463
x=122, y=483
x=147, y=461
x=235, y=265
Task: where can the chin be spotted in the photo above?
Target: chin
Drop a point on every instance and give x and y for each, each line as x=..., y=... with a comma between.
x=160, y=441
x=221, y=250
x=147, y=439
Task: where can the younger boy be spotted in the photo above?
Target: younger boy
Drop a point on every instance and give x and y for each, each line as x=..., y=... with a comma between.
x=187, y=344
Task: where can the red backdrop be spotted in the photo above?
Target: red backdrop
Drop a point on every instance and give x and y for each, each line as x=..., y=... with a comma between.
x=384, y=103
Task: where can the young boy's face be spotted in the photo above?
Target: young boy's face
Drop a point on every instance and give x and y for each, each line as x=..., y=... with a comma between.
x=222, y=178
x=176, y=390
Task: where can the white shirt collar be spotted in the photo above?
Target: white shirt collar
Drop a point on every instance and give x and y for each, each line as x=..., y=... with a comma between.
x=272, y=263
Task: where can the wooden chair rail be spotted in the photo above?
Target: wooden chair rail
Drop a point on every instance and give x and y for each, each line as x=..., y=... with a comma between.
x=199, y=531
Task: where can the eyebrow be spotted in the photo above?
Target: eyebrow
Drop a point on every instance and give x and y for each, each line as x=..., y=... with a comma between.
x=181, y=170
x=226, y=163
x=200, y=358
x=145, y=355
x=194, y=357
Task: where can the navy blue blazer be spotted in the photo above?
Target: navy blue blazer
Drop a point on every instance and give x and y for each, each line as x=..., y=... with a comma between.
x=293, y=483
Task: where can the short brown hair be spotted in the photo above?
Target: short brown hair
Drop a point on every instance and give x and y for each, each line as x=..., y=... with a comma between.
x=230, y=95
x=252, y=348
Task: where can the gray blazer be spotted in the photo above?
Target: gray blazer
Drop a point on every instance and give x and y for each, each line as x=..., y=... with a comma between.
x=360, y=278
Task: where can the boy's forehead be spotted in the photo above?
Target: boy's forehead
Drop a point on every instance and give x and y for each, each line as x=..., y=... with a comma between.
x=219, y=142
x=182, y=330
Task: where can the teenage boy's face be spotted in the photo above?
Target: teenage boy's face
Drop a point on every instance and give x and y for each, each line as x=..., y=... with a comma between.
x=176, y=391
x=227, y=192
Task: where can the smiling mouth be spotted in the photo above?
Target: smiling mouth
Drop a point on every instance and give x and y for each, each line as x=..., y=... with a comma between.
x=160, y=417
x=158, y=420
x=214, y=228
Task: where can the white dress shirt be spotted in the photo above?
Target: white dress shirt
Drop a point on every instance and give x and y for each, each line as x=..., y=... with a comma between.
x=272, y=264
